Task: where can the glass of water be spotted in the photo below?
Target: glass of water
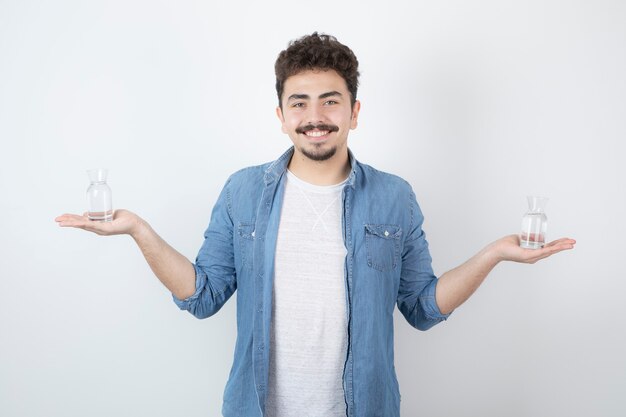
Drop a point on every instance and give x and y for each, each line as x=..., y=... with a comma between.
x=534, y=224
x=99, y=198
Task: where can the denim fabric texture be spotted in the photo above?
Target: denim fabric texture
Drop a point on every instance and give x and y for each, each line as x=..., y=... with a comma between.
x=387, y=264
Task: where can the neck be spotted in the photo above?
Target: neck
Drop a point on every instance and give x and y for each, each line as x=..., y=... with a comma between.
x=329, y=172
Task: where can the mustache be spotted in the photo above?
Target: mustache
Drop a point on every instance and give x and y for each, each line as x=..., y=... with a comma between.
x=310, y=126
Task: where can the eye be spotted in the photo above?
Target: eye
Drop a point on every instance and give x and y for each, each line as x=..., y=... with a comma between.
x=330, y=102
x=297, y=105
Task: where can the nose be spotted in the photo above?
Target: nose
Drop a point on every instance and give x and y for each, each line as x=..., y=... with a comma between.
x=315, y=115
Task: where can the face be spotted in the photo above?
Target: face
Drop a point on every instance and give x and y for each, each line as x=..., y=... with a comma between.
x=317, y=115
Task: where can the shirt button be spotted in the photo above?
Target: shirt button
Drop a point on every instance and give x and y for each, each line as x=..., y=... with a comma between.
x=386, y=233
x=253, y=233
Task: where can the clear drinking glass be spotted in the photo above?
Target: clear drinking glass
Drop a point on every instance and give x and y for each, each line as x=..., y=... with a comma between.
x=99, y=196
x=534, y=224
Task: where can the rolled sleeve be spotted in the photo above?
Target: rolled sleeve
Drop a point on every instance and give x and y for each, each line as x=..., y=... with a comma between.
x=418, y=283
x=201, y=280
x=216, y=277
x=428, y=302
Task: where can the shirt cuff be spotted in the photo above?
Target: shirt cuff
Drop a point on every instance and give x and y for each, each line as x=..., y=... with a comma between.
x=201, y=279
x=429, y=303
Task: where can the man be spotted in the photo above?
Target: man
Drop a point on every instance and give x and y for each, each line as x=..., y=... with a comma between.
x=320, y=249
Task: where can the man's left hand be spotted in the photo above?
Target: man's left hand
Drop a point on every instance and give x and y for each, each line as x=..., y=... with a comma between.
x=508, y=249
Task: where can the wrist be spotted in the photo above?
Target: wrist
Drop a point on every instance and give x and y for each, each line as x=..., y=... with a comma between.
x=493, y=254
x=139, y=229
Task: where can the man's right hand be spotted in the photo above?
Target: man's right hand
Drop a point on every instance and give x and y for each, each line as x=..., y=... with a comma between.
x=124, y=223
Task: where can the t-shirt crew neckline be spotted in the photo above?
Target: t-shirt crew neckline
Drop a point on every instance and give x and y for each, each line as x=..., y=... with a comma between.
x=323, y=189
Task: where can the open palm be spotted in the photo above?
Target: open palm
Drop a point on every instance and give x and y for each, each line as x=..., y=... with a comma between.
x=124, y=222
x=509, y=249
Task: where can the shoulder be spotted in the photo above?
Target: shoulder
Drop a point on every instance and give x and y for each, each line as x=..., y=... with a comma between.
x=381, y=181
x=384, y=190
x=248, y=176
x=242, y=191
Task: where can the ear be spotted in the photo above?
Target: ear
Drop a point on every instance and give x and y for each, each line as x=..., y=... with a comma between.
x=279, y=114
x=355, y=114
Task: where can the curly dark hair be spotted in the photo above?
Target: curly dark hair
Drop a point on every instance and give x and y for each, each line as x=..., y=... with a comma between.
x=317, y=52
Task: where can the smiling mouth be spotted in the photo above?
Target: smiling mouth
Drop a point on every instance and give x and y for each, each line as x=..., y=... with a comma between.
x=319, y=131
x=316, y=133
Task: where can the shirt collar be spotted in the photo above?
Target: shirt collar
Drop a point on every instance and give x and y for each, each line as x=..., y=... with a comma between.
x=279, y=167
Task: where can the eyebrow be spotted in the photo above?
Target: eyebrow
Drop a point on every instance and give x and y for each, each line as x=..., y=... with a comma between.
x=321, y=96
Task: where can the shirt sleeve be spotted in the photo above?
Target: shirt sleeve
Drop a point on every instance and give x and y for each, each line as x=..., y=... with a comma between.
x=216, y=278
x=418, y=283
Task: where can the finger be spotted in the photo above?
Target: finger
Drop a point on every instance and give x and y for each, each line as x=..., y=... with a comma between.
x=71, y=220
x=67, y=216
x=565, y=244
x=546, y=252
x=81, y=222
x=562, y=240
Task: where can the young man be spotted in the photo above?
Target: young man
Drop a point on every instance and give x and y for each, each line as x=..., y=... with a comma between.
x=320, y=249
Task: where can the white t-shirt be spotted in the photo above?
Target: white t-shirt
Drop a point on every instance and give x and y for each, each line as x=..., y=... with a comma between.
x=309, y=330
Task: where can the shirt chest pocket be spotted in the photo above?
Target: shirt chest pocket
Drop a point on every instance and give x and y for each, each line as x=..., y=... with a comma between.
x=246, y=243
x=382, y=244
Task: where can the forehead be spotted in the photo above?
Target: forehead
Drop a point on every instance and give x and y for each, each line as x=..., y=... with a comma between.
x=313, y=82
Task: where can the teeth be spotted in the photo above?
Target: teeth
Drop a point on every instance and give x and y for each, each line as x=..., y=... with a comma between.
x=316, y=134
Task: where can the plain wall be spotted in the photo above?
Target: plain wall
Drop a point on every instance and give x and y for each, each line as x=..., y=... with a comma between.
x=476, y=103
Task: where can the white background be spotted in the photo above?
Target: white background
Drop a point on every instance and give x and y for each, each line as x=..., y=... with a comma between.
x=476, y=103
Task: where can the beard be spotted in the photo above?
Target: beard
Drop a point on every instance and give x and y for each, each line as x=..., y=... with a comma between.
x=318, y=153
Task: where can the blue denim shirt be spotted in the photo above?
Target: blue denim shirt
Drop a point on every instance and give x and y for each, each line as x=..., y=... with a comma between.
x=387, y=263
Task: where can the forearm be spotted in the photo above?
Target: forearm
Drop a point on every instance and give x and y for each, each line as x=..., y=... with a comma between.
x=457, y=285
x=174, y=270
